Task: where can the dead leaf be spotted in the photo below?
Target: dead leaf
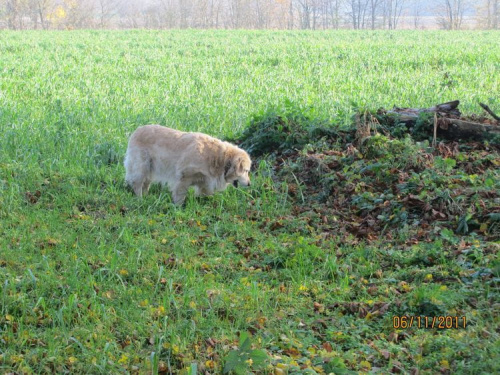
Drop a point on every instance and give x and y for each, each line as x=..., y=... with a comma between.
x=33, y=197
x=318, y=307
x=327, y=346
x=393, y=337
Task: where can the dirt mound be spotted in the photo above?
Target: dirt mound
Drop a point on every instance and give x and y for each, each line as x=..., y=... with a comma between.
x=369, y=182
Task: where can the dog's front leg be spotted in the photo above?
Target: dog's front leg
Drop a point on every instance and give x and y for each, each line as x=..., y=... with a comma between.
x=180, y=191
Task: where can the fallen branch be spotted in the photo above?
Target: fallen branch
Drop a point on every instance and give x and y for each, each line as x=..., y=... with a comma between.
x=487, y=109
x=447, y=122
x=449, y=109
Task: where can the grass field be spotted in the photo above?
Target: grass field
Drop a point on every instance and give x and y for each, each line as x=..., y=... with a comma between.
x=93, y=280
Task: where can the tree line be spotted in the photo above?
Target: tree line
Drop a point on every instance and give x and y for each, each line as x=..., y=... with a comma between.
x=249, y=14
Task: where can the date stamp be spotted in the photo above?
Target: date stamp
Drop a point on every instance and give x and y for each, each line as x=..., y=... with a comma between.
x=429, y=322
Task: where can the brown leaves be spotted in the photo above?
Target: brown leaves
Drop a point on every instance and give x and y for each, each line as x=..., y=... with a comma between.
x=171, y=261
x=318, y=307
x=362, y=310
x=400, y=184
x=416, y=202
x=276, y=225
x=448, y=150
x=211, y=342
x=327, y=346
x=436, y=215
x=33, y=197
x=292, y=352
x=48, y=242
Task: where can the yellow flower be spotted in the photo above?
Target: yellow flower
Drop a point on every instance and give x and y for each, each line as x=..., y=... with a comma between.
x=72, y=360
x=16, y=358
x=160, y=311
x=366, y=365
x=445, y=364
x=123, y=272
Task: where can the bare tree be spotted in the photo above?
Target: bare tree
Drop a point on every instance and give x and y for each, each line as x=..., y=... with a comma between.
x=260, y=14
x=13, y=14
x=106, y=10
x=328, y=13
x=200, y=14
x=357, y=13
x=167, y=16
x=215, y=11
x=236, y=13
x=279, y=14
x=417, y=12
x=374, y=4
x=488, y=15
x=41, y=8
x=79, y=14
x=451, y=14
x=305, y=9
x=392, y=12
x=336, y=8
x=496, y=14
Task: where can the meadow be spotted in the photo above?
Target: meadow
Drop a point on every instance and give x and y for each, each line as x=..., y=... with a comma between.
x=93, y=280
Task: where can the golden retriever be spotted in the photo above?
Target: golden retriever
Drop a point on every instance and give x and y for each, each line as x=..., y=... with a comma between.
x=180, y=160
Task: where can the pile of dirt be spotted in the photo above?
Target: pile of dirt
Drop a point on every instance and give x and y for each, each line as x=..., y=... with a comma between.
x=367, y=182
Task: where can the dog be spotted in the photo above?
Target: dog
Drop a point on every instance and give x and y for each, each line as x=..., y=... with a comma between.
x=180, y=160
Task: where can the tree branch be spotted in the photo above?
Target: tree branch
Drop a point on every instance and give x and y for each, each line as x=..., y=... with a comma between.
x=487, y=109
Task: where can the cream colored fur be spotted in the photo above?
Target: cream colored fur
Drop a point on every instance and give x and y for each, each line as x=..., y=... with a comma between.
x=180, y=160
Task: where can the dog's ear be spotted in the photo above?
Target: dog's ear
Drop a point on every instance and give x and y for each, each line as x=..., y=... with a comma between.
x=233, y=166
x=228, y=168
x=239, y=165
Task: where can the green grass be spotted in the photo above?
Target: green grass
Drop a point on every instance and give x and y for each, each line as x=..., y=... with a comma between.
x=93, y=280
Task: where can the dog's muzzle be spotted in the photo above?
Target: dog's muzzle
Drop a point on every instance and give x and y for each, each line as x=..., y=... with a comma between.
x=235, y=183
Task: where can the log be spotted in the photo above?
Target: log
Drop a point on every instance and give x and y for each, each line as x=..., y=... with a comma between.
x=449, y=109
x=449, y=121
x=460, y=129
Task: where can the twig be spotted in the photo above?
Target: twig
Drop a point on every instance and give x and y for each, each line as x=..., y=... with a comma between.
x=487, y=109
x=435, y=129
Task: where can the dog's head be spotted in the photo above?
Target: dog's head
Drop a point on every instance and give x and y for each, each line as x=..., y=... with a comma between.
x=237, y=168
